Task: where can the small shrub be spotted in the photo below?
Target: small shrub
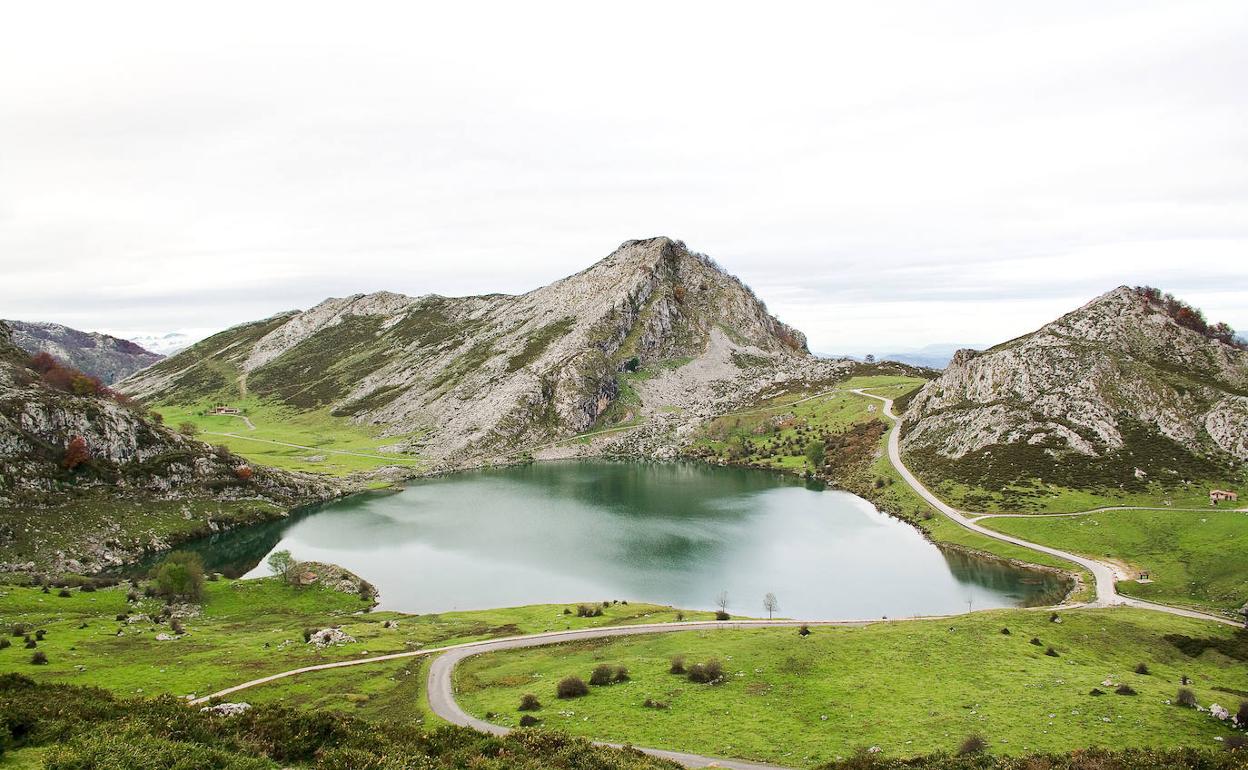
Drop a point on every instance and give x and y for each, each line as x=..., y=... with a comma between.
x=973, y=744
x=1036, y=641
x=528, y=720
x=63, y=593
x=721, y=615
x=5, y=644
x=803, y=631
x=567, y=611
x=1005, y=632
x=1096, y=692
x=40, y=658
x=39, y=635
x=1052, y=653
x=87, y=588
x=620, y=674
x=19, y=629
x=571, y=687
x=1241, y=715
x=307, y=634
x=680, y=616
x=1185, y=698
x=176, y=626
x=1125, y=689
x=31, y=644
x=1235, y=743
x=1054, y=617
x=678, y=665
x=710, y=672
x=1142, y=668
x=601, y=675
x=654, y=704
x=529, y=703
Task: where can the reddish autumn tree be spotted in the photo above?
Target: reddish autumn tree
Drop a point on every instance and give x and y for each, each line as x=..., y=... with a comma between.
x=43, y=362
x=244, y=473
x=76, y=453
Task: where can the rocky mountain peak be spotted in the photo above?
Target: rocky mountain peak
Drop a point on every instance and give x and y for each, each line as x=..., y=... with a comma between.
x=100, y=355
x=470, y=373
x=1132, y=376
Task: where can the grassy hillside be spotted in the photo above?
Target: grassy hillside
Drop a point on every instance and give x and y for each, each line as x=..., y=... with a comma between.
x=1194, y=558
x=324, y=443
x=908, y=687
x=247, y=629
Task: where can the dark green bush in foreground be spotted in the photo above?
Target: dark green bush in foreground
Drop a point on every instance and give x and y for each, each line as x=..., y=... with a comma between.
x=90, y=729
x=1090, y=759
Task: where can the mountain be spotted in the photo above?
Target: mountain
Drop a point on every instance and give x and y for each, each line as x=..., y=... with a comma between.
x=66, y=443
x=1132, y=387
x=100, y=355
x=653, y=330
x=163, y=344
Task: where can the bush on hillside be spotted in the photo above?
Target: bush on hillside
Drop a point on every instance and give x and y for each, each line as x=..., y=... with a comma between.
x=973, y=744
x=529, y=703
x=180, y=576
x=678, y=665
x=710, y=672
x=571, y=687
x=1185, y=697
x=1142, y=668
x=528, y=720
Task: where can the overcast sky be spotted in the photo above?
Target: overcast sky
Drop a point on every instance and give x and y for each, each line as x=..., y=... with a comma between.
x=884, y=175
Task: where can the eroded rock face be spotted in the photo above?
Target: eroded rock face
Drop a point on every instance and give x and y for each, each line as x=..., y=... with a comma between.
x=1084, y=384
x=476, y=376
x=100, y=355
x=128, y=453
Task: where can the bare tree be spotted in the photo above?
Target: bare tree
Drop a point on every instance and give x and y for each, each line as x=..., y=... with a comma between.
x=771, y=604
x=721, y=602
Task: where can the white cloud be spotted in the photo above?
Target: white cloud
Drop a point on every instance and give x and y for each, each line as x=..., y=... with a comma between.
x=885, y=176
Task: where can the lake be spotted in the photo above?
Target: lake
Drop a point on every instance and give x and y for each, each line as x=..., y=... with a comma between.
x=668, y=533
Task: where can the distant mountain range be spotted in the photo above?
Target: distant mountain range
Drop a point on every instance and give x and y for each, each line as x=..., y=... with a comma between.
x=165, y=344
x=100, y=355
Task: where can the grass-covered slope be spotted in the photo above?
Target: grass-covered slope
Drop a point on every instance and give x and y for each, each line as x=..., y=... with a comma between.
x=1123, y=399
x=910, y=688
x=245, y=629
x=1192, y=558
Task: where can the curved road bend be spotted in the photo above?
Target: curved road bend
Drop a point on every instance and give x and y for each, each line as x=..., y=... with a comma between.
x=1106, y=592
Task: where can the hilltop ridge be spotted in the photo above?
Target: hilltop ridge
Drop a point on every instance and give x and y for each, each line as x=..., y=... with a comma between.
x=473, y=376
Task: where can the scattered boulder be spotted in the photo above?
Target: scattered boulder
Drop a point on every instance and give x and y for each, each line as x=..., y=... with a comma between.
x=327, y=637
x=226, y=709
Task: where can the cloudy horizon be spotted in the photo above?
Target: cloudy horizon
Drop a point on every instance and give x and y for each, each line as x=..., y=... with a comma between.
x=885, y=178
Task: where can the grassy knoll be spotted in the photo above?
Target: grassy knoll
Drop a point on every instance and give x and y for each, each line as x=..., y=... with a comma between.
x=33, y=534
x=1038, y=497
x=1193, y=558
x=250, y=628
x=329, y=435
x=907, y=687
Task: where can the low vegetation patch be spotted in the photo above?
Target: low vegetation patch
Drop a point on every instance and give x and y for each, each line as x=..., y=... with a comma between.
x=83, y=727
